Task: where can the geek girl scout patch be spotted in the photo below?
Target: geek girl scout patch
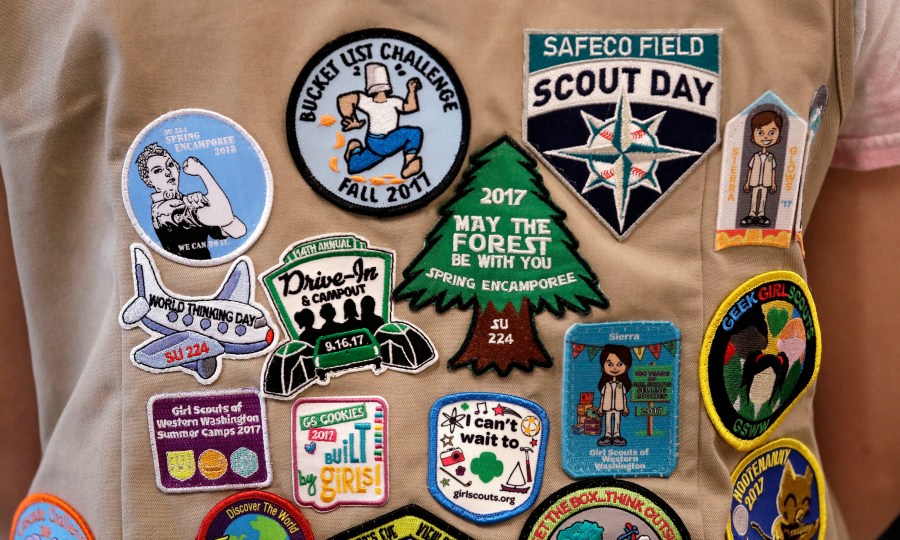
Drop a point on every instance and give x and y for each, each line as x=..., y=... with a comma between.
x=620, y=399
x=778, y=491
x=621, y=117
x=486, y=454
x=378, y=122
x=340, y=452
x=501, y=249
x=41, y=515
x=760, y=354
x=205, y=441
x=604, y=510
x=333, y=297
x=759, y=188
x=197, y=187
x=411, y=522
x=192, y=334
x=254, y=515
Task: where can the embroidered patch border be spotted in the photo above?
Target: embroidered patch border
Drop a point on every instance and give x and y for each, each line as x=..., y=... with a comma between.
x=23, y=519
x=411, y=522
x=258, y=502
x=809, y=321
x=245, y=448
x=752, y=487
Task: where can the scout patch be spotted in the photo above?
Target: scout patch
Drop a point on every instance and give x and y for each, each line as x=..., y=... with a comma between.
x=501, y=248
x=816, y=111
x=408, y=523
x=620, y=399
x=760, y=354
x=254, y=515
x=332, y=294
x=191, y=334
x=204, y=441
x=778, y=492
x=41, y=515
x=604, y=509
x=486, y=454
x=762, y=156
x=340, y=452
x=378, y=122
x=197, y=187
x=621, y=117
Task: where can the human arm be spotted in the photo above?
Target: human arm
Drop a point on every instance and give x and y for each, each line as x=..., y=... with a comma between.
x=217, y=211
x=347, y=104
x=411, y=103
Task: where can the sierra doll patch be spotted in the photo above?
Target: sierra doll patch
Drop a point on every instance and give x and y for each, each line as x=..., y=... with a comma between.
x=760, y=353
x=340, y=451
x=620, y=399
x=501, y=249
x=762, y=159
x=197, y=187
x=486, y=454
x=622, y=117
x=778, y=493
x=333, y=297
x=378, y=122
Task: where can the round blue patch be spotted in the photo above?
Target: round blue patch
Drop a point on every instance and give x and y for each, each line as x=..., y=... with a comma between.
x=42, y=515
x=197, y=187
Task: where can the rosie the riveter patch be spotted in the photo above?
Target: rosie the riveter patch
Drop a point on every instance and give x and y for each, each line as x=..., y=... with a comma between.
x=333, y=296
x=340, y=452
x=254, y=515
x=759, y=186
x=411, y=522
x=486, y=454
x=620, y=399
x=204, y=441
x=43, y=516
x=778, y=492
x=197, y=187
x=622, y=116
x=191, y=334
x=501, y=249
x=760, y=354
x=604, y=510
x=378, y=122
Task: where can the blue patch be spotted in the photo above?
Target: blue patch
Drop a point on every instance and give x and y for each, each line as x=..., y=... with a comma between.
x=486, y=454
x=42, y=516
x=620, y=399
x=197, y=187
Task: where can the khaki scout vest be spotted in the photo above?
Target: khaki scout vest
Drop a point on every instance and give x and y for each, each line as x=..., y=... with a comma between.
x=80, y=83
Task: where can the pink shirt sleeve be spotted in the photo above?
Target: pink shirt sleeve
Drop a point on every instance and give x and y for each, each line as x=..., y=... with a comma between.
x=869, y=138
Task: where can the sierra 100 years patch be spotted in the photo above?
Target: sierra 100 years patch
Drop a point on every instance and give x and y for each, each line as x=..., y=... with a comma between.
x=340, y=452
x=760, y=353
x=486, y=454
x=604, y=509
x=622, y=116
x=378, y=122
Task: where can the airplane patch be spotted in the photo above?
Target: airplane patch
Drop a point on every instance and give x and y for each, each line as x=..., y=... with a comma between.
x=193, y=334
x=622, y=116
x=333, y=296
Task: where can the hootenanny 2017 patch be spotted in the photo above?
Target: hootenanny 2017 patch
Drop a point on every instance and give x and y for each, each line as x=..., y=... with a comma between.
x=622, y=116
x=778, y=491
x=333, y=297
x=197, y=187
x=378, y=122
x=762, y=156
x=192, y=334
x=411, y=522
x=340, y=452
x=501, y=248
x=41, y=515
x=204, y=441
x=254, y=514
x=620, y=399
x=604, y=509
x=486, y=454
x=760, y=353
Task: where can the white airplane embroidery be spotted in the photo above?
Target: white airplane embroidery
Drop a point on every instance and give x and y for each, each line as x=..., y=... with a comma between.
x=191, y=334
